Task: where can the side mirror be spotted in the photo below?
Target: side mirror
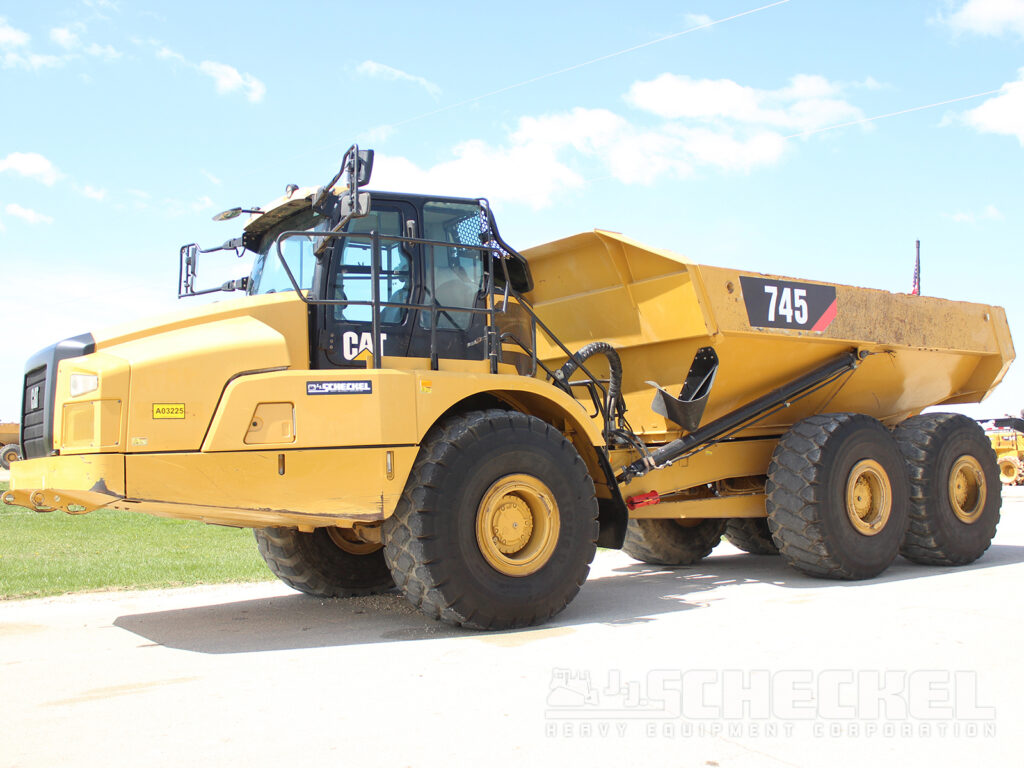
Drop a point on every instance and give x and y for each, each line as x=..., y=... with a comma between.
x=364, y=166
x=188, y=257
x=360, y=208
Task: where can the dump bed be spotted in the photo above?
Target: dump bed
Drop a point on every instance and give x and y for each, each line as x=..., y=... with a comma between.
x=658, y=308
x=10, y=433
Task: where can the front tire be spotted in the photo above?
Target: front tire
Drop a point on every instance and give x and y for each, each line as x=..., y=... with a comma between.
x=324, y=563
x=954, y=489
x=497, y=525
x=837, y=496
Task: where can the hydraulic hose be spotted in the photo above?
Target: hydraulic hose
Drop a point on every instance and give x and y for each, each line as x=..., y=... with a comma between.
x=614, y=367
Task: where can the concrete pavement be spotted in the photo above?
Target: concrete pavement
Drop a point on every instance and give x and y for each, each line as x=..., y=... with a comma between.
x=735, y=661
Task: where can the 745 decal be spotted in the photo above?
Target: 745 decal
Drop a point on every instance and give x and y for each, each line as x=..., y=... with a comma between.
x=785, y=304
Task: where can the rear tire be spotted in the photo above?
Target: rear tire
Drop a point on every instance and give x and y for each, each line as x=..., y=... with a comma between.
x=316, y=563
x=751, y=535
x=497, y=523
x=9, y=454
x=672, y=542
x=837, y=496
x=954, y=489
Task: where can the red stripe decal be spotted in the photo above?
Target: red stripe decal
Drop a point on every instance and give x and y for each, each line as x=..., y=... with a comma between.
x=826, y=318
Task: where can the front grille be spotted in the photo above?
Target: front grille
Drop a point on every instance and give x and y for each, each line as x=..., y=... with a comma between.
x=33, y=415
x=37, y=403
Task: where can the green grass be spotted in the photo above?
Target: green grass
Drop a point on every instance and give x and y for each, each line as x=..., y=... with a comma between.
x=53, y=553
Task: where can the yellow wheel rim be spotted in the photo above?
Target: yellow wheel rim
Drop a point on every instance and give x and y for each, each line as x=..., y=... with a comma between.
x=967, y=489
x=517, y=525
x=346, y=539
x=868, y=497
x=1007, y=472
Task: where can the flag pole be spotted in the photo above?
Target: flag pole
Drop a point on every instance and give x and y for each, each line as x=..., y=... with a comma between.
x=916, y=289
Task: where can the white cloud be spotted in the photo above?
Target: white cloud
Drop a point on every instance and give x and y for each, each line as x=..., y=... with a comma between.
x=31, y=165
x=68, y=39
x=525, y=174
x=163, y=52
x=377, y=135
x=213, y=179
x=989, y=213
x=807, y=103
x=93, y=193
x=869, y=83
x=375, y=69
x=537, y=160
x=11, y=37
x=228, y=79
x=32, y=61
x=722, y=149
x=989, y=17
x=107, y=52
x=697, y=124
x=27, y=214
x=1003, y=113
x=697, y=19
x=65, y=38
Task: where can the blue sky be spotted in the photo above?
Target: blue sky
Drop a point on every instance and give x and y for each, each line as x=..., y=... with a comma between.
x=126, y=125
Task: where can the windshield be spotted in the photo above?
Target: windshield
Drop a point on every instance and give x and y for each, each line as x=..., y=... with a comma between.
x=268, y=275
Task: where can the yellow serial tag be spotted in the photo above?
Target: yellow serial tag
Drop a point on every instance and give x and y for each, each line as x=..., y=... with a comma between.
x=168, y=410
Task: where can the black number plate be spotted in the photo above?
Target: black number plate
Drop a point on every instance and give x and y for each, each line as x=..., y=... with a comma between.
x=784, y=304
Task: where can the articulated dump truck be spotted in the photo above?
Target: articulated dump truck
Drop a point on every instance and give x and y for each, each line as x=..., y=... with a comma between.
x=401, y=399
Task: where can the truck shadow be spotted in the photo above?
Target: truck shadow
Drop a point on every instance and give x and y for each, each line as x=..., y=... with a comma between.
x=630, y=594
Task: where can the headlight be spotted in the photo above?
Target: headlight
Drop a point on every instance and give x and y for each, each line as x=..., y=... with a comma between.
x=84, y=383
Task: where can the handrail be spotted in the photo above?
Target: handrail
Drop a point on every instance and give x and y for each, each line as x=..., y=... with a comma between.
x=611, y=413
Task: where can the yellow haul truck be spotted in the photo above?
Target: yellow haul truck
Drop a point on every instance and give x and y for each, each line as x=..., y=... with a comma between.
x=10, y=451
x=1007, y=437
x=401, y=398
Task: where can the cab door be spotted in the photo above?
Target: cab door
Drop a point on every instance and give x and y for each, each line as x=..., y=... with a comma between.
x=454, y=276
x=345, y=331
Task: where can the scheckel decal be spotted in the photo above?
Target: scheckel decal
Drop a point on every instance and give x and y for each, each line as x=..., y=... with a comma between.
x=339, y=387
x=785, y=304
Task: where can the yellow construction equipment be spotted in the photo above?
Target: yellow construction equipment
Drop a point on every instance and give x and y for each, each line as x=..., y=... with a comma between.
x=1007, y=436
x=10, y=449
x=401, y=398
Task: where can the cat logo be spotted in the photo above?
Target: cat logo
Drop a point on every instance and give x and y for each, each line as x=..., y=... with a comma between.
x=353, y=343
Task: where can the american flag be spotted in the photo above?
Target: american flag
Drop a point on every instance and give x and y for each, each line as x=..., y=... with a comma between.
x=916, y=289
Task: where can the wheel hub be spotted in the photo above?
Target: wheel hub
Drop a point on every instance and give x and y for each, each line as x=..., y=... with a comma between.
x=868, y=497
x=512, y=525
x=347, y=540
x=517, y=525
x=967, y=489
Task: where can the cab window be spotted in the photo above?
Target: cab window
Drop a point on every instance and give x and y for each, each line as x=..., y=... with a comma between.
x=458, y=272
x=352, y=275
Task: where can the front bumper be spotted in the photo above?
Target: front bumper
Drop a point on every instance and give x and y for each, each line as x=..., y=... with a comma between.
x=255, y=489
